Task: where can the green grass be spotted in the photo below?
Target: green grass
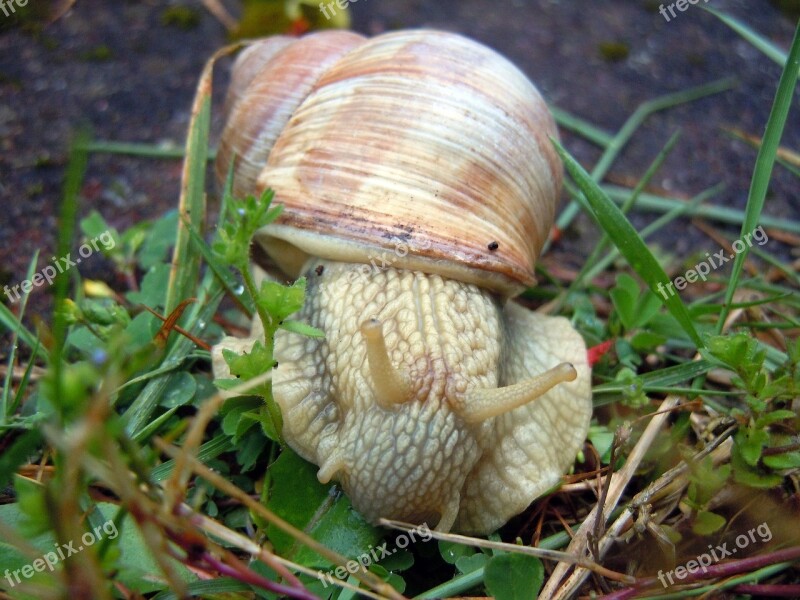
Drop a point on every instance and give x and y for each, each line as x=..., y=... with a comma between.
x=109, y=415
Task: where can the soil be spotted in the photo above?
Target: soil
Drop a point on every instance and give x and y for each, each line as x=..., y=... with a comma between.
x=124, y=71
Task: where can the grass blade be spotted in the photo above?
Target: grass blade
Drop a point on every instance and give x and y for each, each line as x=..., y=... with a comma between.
x=10, y=322
x=722, y=214
x=628, y=241
x=186, y=257
x=667, y=377
x=76, y=168
x=765, y=162
x=632, y=124
x=626, y=206
x=5, y=409
x=581, y=127
x=758, y=41
x=158, y=151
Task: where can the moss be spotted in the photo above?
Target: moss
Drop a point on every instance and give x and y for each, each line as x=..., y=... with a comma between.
x=100, y=53
x=613, y=51
x=180, y=17
x=44, y=160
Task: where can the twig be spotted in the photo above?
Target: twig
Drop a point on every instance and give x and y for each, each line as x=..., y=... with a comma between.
x=619, y=482
x=727, y=569
x=529, y=550
x=192, y=464
x=770, y=591
x=222, y=15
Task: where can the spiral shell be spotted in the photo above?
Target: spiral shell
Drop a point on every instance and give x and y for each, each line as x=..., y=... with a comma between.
x=419, y=137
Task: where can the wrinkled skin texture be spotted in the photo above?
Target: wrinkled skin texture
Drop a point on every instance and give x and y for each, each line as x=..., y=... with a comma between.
x=419, y=461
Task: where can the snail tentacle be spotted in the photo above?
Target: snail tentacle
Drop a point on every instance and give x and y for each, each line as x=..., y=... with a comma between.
x=391, y=386
x=480, y=405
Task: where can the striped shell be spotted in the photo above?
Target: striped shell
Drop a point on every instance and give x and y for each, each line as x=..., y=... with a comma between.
x=420, y=138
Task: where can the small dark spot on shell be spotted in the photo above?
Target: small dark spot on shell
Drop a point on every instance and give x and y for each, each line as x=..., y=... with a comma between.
x=319, y=269
x=493, y=246
x=275, y=366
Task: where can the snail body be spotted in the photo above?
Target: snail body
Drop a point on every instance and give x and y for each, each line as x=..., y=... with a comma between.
x=418, y=184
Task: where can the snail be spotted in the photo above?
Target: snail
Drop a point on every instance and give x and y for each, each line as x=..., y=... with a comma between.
x=419, y=184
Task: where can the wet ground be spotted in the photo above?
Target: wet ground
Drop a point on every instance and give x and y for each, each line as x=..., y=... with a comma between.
x=119, y=68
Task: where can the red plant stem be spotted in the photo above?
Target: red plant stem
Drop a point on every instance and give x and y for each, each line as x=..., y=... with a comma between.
x=734, y=567
x=771, y=591
x=253, y=578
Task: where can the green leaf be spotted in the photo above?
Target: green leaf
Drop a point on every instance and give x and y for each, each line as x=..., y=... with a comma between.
x=152, y=289
x=233, y=409
x=774, y=417
x=399, y=560
x=179, y=391
x=129, y=559
x=624, y=297
x=250, y=364
x=751, y=442
x=451, y=551
x=786, y=460
x=296, y=495
x=208, y=451
x=159, y=239
x=707, y=522
x=514, y=576
x=245, y=217
x=302, y=329
x=31, y=501
x=18, y=453
x=601, y=439
x=645, y=341
x=280, y=301
x=628, y=241
x=747, y=475
x=467, y=564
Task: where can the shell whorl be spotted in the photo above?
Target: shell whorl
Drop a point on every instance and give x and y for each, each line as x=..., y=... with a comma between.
x=420, y=138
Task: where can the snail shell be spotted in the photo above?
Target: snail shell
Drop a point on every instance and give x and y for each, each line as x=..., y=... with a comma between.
x=418, y=185
x=419, y=136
